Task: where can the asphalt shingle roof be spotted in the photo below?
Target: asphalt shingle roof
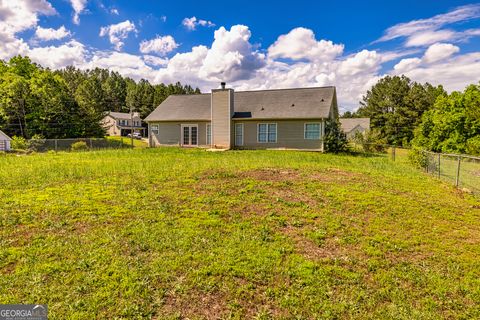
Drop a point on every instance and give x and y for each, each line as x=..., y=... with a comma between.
x=265, y=104
x=348, y=124
x=120, y=115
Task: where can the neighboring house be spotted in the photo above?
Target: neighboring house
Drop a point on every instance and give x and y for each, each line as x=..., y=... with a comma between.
x=120, y=124
x=4, y=141
x=353, y=125
x=266, y=119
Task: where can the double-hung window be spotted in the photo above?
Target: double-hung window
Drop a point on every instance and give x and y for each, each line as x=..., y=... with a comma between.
x=312, y=131
x=155, y=128
x=267, y=132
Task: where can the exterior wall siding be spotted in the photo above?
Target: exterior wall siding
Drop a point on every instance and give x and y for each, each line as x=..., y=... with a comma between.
x=169, y=133
x=290, y=135
x=222, y=112
x=112, y=125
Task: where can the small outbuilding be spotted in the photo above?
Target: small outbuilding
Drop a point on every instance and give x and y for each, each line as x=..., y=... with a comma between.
x=4, y=141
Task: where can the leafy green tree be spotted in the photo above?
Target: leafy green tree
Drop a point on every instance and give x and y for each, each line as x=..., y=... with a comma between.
x=395, y=106
x=115, y=89
x=70, y=102
x=14, y=99
x=453, y=124
x=90, y=95
x=335, y=140
x=22, y=66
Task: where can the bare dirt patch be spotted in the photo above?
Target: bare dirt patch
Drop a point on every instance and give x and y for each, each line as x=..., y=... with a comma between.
x=195, y=305
x=271, y=174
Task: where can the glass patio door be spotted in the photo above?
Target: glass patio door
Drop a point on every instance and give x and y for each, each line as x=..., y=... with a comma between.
x=189, y=135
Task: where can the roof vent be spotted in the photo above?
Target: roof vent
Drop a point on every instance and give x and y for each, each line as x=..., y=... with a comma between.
x=293, y=104
x=223, y=85
x=323, y=100
x=262, y=108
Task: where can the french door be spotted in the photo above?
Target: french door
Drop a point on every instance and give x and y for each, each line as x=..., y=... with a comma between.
x=189, y=135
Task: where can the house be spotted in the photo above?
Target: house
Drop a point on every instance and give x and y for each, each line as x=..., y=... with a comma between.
x=121, y=123
x=225, y=119
x=353, y=125
x=4, y=141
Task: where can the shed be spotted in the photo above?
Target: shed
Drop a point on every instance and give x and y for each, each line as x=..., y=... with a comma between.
x=4, y=141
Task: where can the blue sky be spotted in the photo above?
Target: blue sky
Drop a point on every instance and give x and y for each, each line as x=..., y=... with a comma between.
x=254, y=44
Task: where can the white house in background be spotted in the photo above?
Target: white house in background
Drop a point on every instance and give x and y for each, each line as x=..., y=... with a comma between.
x=353, y=125
x=121, y=123
x=4, y=141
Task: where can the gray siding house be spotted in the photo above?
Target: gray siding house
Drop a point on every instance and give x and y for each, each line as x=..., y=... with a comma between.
x=353, y=125
x=225, y=119
x=121, y=123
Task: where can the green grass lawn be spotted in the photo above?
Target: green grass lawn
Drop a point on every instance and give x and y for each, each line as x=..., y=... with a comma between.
x=173, y=233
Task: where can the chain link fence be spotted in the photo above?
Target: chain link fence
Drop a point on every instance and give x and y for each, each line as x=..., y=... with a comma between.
x=461, y=170
x=44, y=145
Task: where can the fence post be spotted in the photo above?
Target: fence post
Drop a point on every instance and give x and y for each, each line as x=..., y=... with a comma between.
x=427, y=162
x=393, y=153
x=457, y=181
x=56, y=145
x=439, y=174
x=91, y=144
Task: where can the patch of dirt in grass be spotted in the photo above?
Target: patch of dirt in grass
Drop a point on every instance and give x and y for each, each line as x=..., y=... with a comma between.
x=195, y=305
x=330, y=249
x=271, y=174
x=337, y=175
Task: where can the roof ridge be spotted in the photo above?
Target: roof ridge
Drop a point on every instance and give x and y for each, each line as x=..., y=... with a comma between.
x=285, y=89
x=262, y=90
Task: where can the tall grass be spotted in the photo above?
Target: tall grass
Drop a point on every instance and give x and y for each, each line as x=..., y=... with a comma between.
x=183, y=233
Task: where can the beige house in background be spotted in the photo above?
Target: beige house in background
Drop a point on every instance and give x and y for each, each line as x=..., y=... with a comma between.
x=225, y=119
x=353, y=125
x=120, y=124
x=4, y=141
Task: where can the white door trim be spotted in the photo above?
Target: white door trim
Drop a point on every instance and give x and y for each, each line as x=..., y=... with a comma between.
x=189, y=126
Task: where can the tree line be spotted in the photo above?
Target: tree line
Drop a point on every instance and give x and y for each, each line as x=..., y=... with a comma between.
x=70, y=103
x=410, y=114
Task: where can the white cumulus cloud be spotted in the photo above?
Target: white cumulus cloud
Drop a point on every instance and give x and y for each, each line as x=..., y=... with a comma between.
x=439, y=51
x=78, y=8
x=232, y=57
x=300, y=43
x=48, y=34
x=21, y=15
x=56, y=57
x=193, y=22
x=118, y=32
x=159, y=45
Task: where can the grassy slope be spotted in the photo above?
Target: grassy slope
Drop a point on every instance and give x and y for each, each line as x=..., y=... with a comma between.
x=166, y=233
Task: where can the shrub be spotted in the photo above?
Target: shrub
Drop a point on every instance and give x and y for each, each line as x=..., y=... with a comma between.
x=79, y=146
x=36, y=142
x=370, y=141
x=418, y=158
x=473, y=146
x=335, y=139
x=18, y=143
